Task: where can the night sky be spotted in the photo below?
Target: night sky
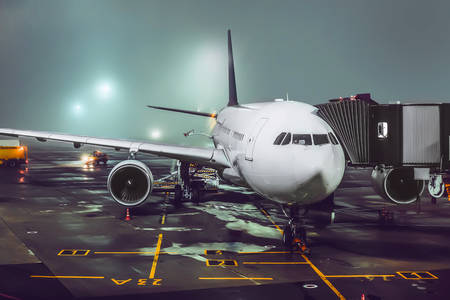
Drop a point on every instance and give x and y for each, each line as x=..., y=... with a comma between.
x=90, y=67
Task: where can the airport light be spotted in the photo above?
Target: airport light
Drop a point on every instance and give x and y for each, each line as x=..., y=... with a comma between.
x=104, y=90
x=156, y=134
x=78, y=108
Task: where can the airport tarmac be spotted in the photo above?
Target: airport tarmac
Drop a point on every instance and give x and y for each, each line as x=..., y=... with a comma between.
x=63, y=237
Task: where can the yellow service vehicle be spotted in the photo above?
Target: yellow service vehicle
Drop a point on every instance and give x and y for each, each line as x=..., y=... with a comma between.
x=12, y=154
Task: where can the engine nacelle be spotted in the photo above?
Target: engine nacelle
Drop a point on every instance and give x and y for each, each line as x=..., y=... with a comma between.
x=397, y=185
x=130, y=182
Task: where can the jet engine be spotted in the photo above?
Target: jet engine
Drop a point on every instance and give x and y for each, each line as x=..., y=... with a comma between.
x=130, y=182
x=397, y=185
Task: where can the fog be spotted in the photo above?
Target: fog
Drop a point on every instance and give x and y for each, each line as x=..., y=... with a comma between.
x=91, y=67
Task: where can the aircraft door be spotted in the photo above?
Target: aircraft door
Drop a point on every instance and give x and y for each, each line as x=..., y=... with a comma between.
x=251, y=140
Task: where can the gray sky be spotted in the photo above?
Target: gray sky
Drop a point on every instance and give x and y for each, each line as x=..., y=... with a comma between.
x=55, y=55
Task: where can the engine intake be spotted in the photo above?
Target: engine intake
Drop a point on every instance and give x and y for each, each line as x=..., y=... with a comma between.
x=397, y=185
x=130, y=182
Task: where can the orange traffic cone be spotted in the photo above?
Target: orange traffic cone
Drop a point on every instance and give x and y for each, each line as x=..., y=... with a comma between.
x=127, y=217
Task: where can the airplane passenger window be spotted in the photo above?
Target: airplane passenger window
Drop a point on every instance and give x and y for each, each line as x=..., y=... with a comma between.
x=301, y=139
x=279, y=138
x=333, y=138
x=320, y=139
x=287, y=139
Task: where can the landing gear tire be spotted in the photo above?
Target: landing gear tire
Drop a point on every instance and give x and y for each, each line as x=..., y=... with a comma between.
x=178, y=194
x=196, y=195
x=288, y=237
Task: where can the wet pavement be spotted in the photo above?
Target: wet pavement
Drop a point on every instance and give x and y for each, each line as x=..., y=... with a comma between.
x=63, y=237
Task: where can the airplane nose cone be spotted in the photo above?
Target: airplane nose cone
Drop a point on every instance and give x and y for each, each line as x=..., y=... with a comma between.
x=318, y=173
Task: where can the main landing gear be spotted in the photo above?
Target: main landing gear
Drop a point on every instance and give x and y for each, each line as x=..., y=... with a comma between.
x=294, y=233
x=189, y=187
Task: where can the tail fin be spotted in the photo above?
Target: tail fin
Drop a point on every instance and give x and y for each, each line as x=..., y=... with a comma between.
x=231, y=77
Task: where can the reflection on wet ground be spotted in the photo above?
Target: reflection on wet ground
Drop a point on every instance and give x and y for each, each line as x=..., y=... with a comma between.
x=61, y=232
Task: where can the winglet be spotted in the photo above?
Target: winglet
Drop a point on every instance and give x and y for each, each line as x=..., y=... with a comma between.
x=231, y=77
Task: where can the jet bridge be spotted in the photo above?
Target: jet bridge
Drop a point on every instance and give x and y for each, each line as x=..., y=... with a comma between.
x=407, y=144
x=397, y=135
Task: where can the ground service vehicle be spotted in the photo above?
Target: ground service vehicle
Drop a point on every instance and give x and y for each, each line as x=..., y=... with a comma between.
x=12, y=154
x=96, y=158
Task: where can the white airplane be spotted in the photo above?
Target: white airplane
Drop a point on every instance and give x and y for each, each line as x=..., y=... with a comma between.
x=282, y=150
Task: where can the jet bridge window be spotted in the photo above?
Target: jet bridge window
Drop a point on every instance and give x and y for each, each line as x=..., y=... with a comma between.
x=333, y=138
x=320, y=139
x=279, y=138
x=301, y=139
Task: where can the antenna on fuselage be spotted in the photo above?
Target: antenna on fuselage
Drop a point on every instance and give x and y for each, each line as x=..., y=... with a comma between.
x=231, y=77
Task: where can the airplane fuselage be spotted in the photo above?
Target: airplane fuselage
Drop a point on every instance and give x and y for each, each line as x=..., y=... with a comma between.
x=282, y=150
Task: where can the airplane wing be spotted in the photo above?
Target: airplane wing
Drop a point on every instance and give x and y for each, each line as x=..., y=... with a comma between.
x=211, y=157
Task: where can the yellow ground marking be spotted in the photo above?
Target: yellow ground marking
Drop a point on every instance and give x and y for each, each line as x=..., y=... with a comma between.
x=73, y=277
x=363, y=275
x=275, y=263
x=134, y=252
x=213, y=252
x=324, y=279
x=155, y=259
x=270, y=219
x=163, y=219
x=269, y=252
x=221, y=262
x=318, y=272
x=120, y=282
x=74, y=252
x=234, y=278
x=416, y=274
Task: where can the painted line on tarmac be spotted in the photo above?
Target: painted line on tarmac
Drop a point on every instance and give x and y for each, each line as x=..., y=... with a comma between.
x=270, y=219
x=134, y=252
x=155, y=259
x=235, y=278
x=318, y=272
x=275, y=263
x=68, y=277
x=324, y=279
x=269, y=252
x=355, y=276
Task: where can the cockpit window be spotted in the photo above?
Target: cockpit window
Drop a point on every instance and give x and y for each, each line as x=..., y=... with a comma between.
x=320, y=139
x=279, y=138
x=287, y=139
x=333, y=138
x=301, y=139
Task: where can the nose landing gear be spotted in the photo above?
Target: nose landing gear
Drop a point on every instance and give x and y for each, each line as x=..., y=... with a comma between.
x=294, y=233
